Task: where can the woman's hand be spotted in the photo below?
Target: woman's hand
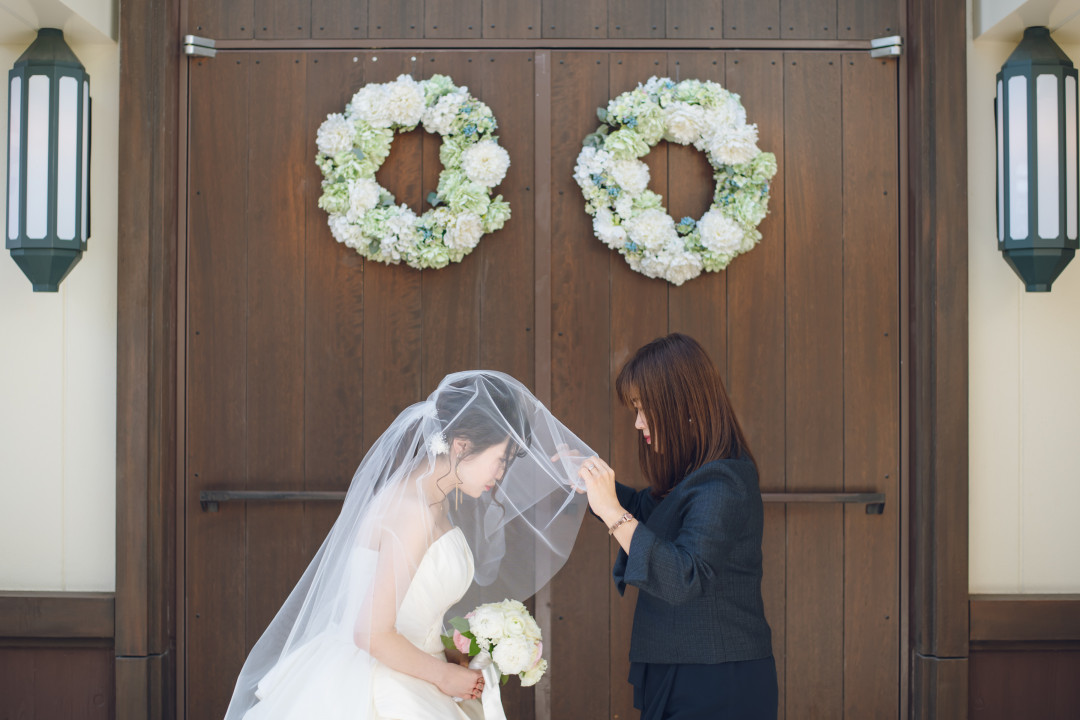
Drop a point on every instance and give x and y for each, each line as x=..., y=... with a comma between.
x=599, y=481
x=460, y=682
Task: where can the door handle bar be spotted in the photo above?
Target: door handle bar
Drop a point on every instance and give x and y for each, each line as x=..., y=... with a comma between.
x=874, y=502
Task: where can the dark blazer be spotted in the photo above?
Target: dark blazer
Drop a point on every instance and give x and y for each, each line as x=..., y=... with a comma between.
x=696, y=559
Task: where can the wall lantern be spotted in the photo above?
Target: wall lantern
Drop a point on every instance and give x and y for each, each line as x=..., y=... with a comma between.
x=1036, y=115
x=48, y=200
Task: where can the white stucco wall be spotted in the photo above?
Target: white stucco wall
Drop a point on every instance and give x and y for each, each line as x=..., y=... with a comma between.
x=58, y=381
x=1024, y=383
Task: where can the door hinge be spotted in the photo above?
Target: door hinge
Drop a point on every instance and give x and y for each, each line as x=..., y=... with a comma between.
x=890, y=46
x=195, y=45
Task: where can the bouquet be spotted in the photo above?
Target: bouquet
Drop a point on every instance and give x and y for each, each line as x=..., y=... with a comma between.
x=507, y=634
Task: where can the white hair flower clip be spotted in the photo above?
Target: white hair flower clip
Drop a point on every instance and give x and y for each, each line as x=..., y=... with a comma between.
x=437, y=444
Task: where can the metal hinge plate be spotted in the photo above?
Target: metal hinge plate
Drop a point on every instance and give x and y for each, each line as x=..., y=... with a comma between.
x=195, y=45
x=890, y=46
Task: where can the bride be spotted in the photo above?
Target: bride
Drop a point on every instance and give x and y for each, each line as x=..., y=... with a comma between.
x=466, y=498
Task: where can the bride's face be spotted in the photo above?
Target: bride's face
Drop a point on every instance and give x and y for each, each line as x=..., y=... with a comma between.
x=479, y=472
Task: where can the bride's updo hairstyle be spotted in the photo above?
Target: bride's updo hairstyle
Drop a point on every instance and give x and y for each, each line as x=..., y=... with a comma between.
x=691, y=421
x=479, y=410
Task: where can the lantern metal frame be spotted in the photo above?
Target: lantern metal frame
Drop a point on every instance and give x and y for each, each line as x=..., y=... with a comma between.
x=57, y=243
x=1036, y=238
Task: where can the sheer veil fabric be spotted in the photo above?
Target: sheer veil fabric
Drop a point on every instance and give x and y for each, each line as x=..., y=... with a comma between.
x=481, y=456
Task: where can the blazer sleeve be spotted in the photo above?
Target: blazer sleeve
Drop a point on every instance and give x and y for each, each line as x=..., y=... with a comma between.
x=711, y=516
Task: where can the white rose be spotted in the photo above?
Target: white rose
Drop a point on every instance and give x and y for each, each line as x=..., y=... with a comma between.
x=532, y=676
x=464, y=233
x=684, y=122
x=652, y=229
x=369, y=104
x=485, y=163
x=335, y=135
x=513, y=655
x=733, y=146
x=404, y=101
x=719, y=233
x=486, y=624
x=630, y=175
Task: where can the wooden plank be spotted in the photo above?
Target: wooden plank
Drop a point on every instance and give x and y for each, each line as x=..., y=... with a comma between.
x=867, y=19
x=275, y=215
x=232, y=20
x=395, y=19
x=639, y=314
x=339, y=19
x=937, y=224
x=51, y=682
x=456, y=19
x=814, y=352
x=636, y=19
x=275, y=19
x=511, y=19
x=574, y=19
x=808, y=19
x=334, y=317
x=940, y=688
x=56, y=615
x=1025, y=618
x=451, y=295
x=760, y=19
x=392, y=295
x=698, y=307
x=507, y=282
x=580, y=392
x=871, y=385
x=217, y=375
x=695, y=19
x=755, y=335
x=1035, y=684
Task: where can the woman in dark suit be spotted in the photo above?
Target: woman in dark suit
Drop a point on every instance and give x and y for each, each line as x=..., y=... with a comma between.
x=691, y=543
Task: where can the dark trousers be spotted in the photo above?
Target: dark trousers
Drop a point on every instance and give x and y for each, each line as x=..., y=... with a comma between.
x=743, y=690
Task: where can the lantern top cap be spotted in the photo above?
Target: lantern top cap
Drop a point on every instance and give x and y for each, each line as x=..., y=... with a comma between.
x=49, y=49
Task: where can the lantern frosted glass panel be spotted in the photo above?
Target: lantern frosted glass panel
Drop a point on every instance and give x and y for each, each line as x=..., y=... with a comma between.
x=85, y=217
x=67, y=155
x=1018, y=159
x=1046, y=155
x=1070, y=158
x=1000, y=118
x=37, y=157
x=14, y=150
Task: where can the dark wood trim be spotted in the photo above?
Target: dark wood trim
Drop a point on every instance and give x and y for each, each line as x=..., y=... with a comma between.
x=1025, y=618
x=603, y=44
x=56, y=615
x=146, y=356
x=937, y=422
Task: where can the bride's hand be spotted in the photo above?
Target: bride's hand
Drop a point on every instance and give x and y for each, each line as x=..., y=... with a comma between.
x=459, y=682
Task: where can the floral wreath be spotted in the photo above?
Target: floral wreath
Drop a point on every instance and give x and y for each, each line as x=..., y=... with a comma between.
x=630, y=218
x=364, y=215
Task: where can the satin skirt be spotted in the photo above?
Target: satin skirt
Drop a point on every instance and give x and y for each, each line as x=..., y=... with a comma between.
x=742, y=690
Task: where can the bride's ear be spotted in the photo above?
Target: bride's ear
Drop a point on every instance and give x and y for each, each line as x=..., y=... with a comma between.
x=460, y=447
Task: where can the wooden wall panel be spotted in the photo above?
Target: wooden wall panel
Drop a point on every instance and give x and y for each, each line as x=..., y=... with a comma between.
x=861, y=19
x=814, y=351
x=217, y=376
x=333, y=315
x=755, y=334
x=339, y=19
x=453, y=19
x=232, y=20
x=580, y=391
x=574, y=19
x=808, y=19
x=395, y=19
x=636, y=19
x=694, y=19
x=1007, y=684
x=871, y=386
x=698, y=307
x=277, y=158
x=511, y=19
x=760, y=19
x=278, y=20
x=57, y=682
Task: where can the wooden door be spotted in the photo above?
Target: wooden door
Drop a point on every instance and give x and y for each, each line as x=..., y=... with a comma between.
x=298, y=353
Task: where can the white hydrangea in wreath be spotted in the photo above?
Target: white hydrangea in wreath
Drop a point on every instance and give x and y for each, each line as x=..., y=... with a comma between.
x=364, y=216
x=630, y=218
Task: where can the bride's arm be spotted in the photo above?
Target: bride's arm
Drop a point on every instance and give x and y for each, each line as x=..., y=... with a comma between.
x=398, y=557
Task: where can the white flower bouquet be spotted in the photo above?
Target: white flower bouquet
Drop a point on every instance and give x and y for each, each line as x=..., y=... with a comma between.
x=506, y=633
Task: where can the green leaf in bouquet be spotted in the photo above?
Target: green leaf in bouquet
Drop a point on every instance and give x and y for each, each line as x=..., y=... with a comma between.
x=460, y=624
x=474, y=648
x=448, y=642
x=505, y=679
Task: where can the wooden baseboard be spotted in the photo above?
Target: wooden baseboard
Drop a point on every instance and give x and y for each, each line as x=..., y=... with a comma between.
x=56, y=615
x=1024, y=619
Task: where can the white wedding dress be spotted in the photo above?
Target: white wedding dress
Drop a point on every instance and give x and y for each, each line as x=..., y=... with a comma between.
x=330, y=678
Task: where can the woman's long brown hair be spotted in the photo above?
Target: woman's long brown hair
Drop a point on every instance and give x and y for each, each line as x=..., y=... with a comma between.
x=690, y=418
